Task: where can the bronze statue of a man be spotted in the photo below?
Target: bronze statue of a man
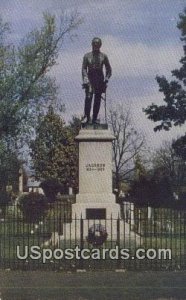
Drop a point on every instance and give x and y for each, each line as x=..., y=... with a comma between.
x=94, y=80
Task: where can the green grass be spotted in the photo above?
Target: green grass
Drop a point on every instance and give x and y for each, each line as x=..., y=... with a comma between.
x=15, y=231
x=92, y=285
x=9, y=257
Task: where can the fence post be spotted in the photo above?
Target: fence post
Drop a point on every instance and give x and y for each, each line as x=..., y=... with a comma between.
x=81, y=241
x=118, y=240
x=149, y=212
x=118, y=231
x=131, y=216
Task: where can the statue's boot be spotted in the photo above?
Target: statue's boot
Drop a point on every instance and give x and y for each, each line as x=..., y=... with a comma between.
x=95, y=121
x=85, y=119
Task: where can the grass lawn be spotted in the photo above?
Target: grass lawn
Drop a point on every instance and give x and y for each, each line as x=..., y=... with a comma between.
x=15, y=231
x=92, y=285
x=8, y=257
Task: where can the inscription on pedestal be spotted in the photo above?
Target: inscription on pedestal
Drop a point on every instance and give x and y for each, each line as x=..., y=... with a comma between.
x=95, y=167
x=96, y=213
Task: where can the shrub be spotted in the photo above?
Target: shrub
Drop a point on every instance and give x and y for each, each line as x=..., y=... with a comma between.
x=51, y=188
x=33, y=206
x=181, y=202
x=5, y=199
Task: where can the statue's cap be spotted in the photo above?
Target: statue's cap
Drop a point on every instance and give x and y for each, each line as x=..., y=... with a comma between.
x=96, y=40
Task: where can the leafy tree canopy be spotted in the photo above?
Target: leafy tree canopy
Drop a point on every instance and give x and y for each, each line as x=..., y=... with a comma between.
x=173, y=112
x=25, y=86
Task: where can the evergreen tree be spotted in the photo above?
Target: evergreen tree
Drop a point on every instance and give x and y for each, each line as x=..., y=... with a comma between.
x=54, y=151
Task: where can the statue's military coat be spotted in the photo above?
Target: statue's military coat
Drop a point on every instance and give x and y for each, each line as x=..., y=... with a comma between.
x=92, y=70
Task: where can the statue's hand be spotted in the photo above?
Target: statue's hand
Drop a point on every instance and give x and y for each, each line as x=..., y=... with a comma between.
x=104, y=86
x=84, y=85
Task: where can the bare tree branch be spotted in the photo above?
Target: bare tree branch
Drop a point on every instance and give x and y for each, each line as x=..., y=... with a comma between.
x=128, y=142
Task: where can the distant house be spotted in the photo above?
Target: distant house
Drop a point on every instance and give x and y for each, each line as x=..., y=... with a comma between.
x=34, y=185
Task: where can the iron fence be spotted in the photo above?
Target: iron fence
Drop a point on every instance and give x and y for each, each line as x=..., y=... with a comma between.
x=134, y=240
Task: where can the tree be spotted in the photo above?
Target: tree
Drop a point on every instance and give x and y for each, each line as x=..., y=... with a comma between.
x=154, y=190
x=179, y=147
x=170, y=164
x=139, y=168
x=156, y=186
x=51, y=188
x=75, y=125
x=25, y=86
x=9, y=175
x=33, y=206
x=24, y=82
x=9, y=167
x=164, y=158
x=127, y=145
x=173, y=112
x=54, y=151
x=150, y=187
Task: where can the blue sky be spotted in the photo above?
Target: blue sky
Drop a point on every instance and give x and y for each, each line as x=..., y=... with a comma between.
x=140, y=38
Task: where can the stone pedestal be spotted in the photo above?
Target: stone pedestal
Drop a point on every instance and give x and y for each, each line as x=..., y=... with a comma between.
x=95, y=198
x=95, y=203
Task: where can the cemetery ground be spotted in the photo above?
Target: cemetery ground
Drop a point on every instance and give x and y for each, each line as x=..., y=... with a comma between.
x=164, y=230
x=129, y=280
x=128, y=285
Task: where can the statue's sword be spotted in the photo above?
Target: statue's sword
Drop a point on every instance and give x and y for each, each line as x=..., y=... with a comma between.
x=105, y=104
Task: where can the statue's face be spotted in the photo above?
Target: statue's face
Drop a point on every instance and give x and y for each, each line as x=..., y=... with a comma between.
x=96, y=45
